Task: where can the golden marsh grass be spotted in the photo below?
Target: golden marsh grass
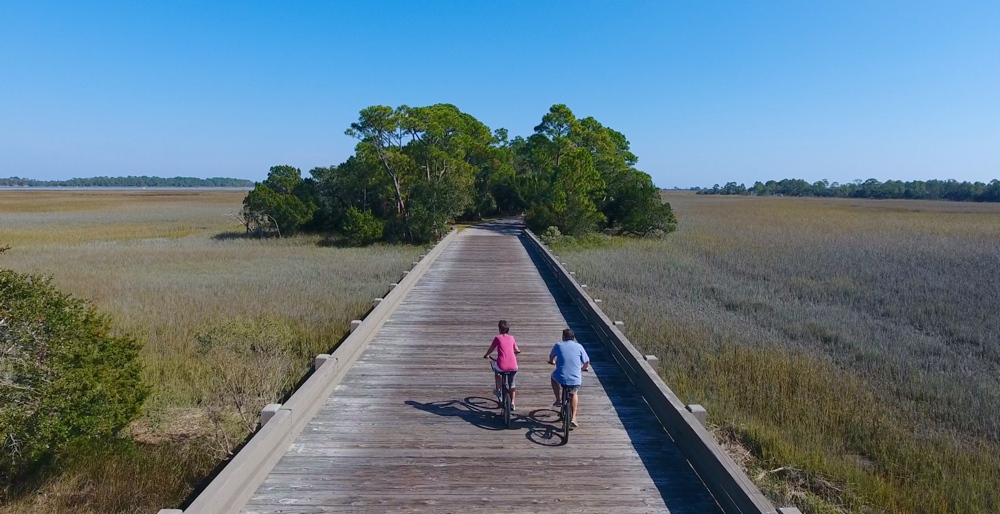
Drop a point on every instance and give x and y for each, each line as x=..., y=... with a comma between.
x=153, y=262
x=852, y=345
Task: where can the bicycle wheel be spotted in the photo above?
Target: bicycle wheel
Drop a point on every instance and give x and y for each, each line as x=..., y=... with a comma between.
x=506, y=406
x=567, y=412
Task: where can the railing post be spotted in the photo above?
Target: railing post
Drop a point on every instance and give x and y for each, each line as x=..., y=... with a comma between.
x=376, y=301
x=355, y=323
x=268, y=412
x=653, y=361
x=699, y=413
x=320, y=360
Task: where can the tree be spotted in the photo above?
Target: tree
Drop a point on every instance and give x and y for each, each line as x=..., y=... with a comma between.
x=274, y=204
x=429, y=157
x=416, y=169
x=579, y=175
x=63, y=374
x=635, y=207
x=249, y=363
x=361, y=227
x=381, y=138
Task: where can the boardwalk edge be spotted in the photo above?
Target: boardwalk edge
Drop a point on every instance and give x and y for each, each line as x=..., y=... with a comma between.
x=230, y=490
x=731, y=487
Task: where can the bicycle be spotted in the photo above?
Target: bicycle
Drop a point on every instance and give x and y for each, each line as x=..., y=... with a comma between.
x=566, y=411
x=506, y=402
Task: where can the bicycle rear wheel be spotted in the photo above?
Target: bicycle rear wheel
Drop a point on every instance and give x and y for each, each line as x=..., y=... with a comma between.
x=506, y=407
x=567, y=413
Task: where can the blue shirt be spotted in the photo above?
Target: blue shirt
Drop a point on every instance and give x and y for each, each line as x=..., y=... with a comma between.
x=570, y=358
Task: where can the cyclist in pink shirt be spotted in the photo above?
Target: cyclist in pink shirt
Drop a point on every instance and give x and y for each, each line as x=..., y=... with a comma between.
x=506, y=361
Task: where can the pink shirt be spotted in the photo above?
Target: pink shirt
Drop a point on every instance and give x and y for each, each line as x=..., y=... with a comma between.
x=504, y=345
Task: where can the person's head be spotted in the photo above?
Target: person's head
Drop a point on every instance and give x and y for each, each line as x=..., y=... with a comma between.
x=503, y=326
x=568, y=335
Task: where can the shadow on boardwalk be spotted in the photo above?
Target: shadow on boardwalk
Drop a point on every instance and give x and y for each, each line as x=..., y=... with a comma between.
x=484, y=413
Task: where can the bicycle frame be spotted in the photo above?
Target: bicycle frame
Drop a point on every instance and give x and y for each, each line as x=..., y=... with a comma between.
x=506, y=402
x=566, y=411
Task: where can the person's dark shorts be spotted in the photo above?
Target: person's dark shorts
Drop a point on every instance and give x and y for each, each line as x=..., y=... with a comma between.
x=572, y=389
x=513, y=374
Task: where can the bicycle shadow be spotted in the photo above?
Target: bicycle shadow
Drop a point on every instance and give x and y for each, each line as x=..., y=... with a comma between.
x=484, y=413
x=475, y=410
x=543, y=428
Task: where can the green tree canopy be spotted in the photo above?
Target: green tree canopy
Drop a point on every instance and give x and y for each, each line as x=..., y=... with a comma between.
x=282, y=202
x=417, y=169
x=63, y=374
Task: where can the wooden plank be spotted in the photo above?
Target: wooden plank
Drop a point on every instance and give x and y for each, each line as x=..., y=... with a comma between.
x=413, y=426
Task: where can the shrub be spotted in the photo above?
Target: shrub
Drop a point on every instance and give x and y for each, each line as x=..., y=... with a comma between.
x=249, y=363
x=63, y=376
x=115, y=475
x=550, y=235
x=362, y=227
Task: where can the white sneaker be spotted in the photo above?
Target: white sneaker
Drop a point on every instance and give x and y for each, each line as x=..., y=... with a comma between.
x=512, y=407
x=496, y=392
x=573, y=423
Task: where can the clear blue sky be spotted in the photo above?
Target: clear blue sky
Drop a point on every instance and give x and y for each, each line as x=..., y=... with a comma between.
x=707, y=92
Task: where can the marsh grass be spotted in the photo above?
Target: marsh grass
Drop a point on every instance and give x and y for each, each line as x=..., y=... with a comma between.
x=117, y=476
x=850, y=344
x=151, y=262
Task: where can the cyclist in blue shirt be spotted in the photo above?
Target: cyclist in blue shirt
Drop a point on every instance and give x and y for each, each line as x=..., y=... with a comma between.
x=570, y=360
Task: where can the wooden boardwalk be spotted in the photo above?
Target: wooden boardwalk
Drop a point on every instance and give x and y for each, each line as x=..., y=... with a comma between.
x=414, y=426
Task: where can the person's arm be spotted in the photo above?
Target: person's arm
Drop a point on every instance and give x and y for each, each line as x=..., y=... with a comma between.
x=493, y=346
x=552, y=356
x=586, y=361
x=517, y=349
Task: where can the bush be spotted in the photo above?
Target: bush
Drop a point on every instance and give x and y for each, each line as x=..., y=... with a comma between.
x=114, y=475
x=550, y=235
x=63, y=376
x=362, y=227
x=249, y=364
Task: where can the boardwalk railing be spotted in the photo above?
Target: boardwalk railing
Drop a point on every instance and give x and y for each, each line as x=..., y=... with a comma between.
x=236, y=483
x=728, y=483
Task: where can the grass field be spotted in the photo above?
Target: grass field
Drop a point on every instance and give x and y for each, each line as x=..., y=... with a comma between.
x=155, y=262
x=850, y=347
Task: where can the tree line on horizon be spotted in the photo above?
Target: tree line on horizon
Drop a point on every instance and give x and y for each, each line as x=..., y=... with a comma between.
x=129, y=181
x=871, y=188
x=417, y=169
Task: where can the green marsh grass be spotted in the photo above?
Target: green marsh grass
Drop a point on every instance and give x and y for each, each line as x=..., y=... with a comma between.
x=851, y=345
x=153, y=261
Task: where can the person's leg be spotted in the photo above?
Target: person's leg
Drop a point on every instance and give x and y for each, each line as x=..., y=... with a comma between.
x=513, y=389
x=555, y=391
x=573, y=404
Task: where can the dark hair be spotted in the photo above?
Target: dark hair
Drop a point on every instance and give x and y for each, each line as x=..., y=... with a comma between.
x=568, y=335
x=503, y=326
